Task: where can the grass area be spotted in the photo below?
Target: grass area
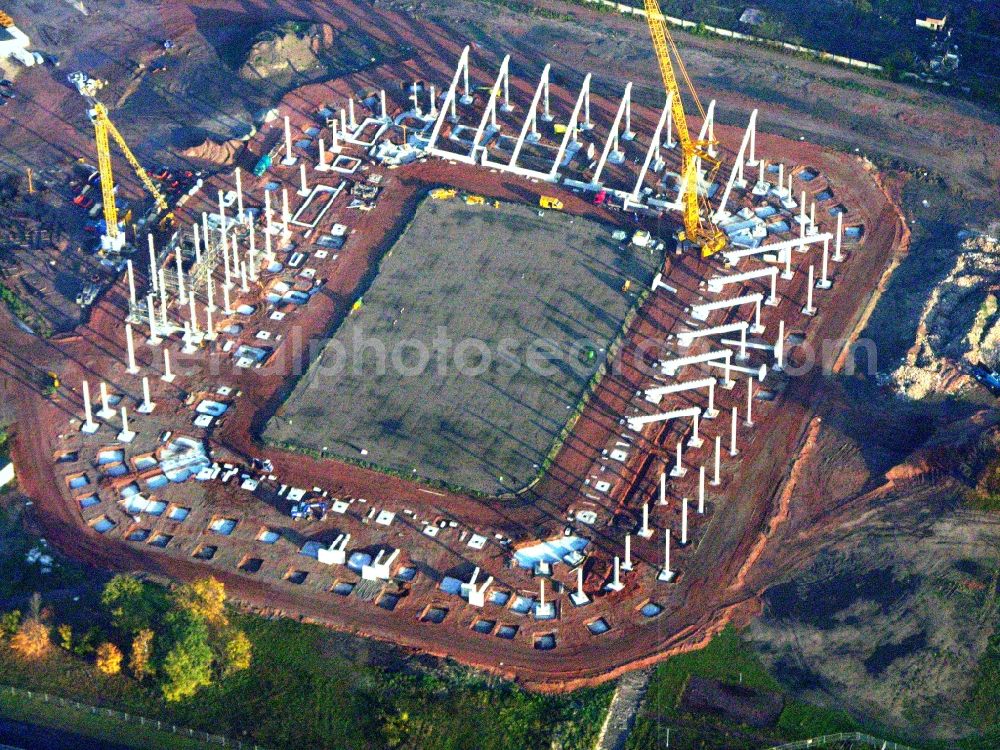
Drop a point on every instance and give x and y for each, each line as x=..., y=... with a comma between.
x=300, y=692
x=729, y=660
x=95, y=726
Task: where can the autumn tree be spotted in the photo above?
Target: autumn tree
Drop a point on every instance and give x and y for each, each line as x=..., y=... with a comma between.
x=142, y=654
x=31, y=641
x=109, y=659
x=238, y=652
x=204, y=599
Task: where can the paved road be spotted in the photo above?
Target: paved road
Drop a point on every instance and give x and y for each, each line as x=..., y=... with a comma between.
x=17, y=735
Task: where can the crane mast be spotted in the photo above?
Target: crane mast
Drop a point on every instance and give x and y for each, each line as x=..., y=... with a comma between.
x=104, y=131
x=701, y=233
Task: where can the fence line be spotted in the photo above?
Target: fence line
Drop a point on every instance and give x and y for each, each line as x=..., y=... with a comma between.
x=819, y=742
x=163, y=726
x=729, y=33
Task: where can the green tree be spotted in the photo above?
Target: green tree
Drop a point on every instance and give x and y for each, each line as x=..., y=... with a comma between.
x=204, y=598
x=10, y=622
x=131, y=603
x=187, y=666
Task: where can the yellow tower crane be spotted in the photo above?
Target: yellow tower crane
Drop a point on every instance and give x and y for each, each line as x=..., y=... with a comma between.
x=697, y=231
x=104, y=130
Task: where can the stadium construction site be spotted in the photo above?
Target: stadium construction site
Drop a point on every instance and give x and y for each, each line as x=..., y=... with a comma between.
x=558, y=524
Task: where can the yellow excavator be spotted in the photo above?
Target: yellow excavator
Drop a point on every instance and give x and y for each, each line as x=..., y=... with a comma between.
x=698, y=232
x=104, y=130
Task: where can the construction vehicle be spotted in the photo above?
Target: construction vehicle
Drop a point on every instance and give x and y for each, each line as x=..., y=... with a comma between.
x=548, y=201
x=698, y=232
x=443, y=194
x=475, y=200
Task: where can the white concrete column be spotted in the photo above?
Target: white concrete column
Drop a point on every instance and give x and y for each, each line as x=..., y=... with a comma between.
x=321, y=165
x=645, y=532
x=809, y=309
x=627, y=564
x=350, y=107
x=678, y=470
x=133, y=368
x=663, y=488
x=701, y=490
x=252, y=255
x=193, y=316
x=225, y=265
x=779, y=348
x=289, y=159
x=131, y=284
x=153, y=275
x=304, y=188
x=749, y=420
x=684, y=522
x=147, y=405
x=239, y=197
x=616, y=583
x=106, y=411
x=126, y=435
x=787, y=274
x=824, y=280
x=717, y=479
x=772, y=299
x=210, y=330
x=385, y=112
x=197, y=243
x=226, y=307
x=837, y=257
x=89, y=425
x=695, y=440
x=168, y=376
x=153, y=339
x=243, y=277
x=666, y=574
x=210, y=290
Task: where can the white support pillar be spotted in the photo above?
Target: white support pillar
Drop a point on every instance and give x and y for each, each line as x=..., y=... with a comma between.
x=384, y=110
x=578, y=597
x=616, y=582
x=289, y=159
x=304, y=187
x=210, y=334
x=350, y=111
x=126, y=435
x=666, y=574
x=106, y=411
x=133, y=368
x=663, y=488
x=701, y=490
x=168, y=376
x=684, y=522
x=717, y=479
x=733, y=450
x=837, y=257
x=679, y=470
x=779, y=348
x=153, y=275
x=654, y=148
x=131, y=284
x=645, y=531
x=89, y=426
x=612, y=139
x=571, y=126
x=193, y=316
x=240, y=214
x=824, y=279
x=543, y=610
x=695, y=440
x=749, y=420
x=321, y=165
x=736, y=176
x=226, y=306
x=491, y=109
x=627, y=563
x=531, y=120
x=196, y=233
x=154, y=339
x=179, y=257
x=164, y=323
x=809, y=309
x=147, y=405
x=450, y=97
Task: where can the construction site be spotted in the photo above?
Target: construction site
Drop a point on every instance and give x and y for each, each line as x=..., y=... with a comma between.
x=644, y=304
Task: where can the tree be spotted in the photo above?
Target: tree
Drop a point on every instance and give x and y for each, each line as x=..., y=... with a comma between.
x=31, y=641
x=238, y=653
x=10, y=622
x=109, y=659
x=65, y=636
x=131, y=603
x=142, y=654
x=204, y=599
x=187, y=667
